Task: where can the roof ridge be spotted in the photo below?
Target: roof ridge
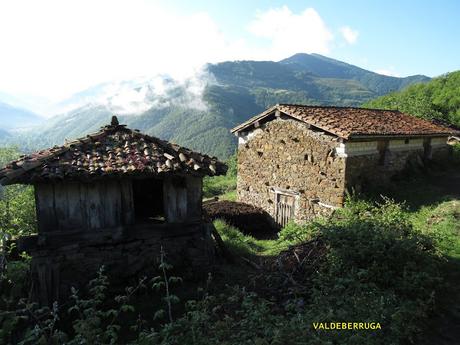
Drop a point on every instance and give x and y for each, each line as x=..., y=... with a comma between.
x=335, y=107
x=95, y=152
x=348, y=122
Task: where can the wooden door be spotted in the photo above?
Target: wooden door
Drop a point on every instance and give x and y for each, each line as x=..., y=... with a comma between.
x=285, y=207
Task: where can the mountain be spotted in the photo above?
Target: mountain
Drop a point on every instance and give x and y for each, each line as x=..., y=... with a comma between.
x=199, y=111
x=325, y=67
x=12, y=117
x=438, y=99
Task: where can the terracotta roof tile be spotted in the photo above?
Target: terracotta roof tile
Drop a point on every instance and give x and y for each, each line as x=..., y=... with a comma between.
x=114, y=150
x=349, y=122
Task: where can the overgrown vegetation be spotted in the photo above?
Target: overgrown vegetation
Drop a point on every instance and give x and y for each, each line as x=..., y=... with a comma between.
x=383, y=262
x=17, y=204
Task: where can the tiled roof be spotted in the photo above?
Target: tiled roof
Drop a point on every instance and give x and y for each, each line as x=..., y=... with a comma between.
x=348, y=122
x=113, y=151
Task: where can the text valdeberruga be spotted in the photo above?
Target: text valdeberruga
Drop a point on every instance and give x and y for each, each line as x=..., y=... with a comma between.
x=347, y=325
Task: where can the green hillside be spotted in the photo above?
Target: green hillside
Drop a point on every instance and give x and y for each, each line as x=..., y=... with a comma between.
x=438, y=99
x=233, y=92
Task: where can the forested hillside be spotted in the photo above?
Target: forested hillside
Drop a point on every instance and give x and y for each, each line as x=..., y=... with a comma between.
x=437, y=99
x=199, y=112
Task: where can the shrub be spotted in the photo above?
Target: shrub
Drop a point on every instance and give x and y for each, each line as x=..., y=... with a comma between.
x=378, y=269
x=294, y=233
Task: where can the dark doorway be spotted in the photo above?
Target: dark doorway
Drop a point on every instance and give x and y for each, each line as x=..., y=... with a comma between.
x=148, y=200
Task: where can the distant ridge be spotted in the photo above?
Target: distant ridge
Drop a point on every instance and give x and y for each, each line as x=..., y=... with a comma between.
x=13, y=117
x=229, y=93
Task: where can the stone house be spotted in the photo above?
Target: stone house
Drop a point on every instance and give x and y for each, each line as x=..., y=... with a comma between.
x=113, y=198
x=297, y=162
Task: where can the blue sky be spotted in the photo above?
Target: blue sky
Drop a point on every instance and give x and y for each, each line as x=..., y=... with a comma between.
x=53, y=48
x=408, y=37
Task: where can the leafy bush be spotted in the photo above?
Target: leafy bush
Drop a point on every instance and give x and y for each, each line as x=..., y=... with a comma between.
x=17, y=204
x=294, y=233
x=381, y=265
x=378, y=268
x=437, y=99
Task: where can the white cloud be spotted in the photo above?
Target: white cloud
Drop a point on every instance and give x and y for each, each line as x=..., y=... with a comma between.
x=53, y=48
x=388, y=71
x=350, y=35
x=291, y=33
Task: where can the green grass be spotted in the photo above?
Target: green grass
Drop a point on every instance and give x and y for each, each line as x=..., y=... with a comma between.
x=224, y=186
x=442, y=223
x=230, y=196
x=246, y=245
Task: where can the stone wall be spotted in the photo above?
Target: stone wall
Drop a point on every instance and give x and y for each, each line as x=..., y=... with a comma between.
x=63, y=260
x=314, y=169
x=366, y=170
x=284, y=155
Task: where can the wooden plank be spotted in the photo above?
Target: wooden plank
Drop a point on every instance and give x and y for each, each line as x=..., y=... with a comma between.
x=75, y=220
x=127, y=204
x=60, y=206
x=94, y=207
x=194, y=197
x=83, y=191
x=112, y=203
x=175, y=199
x=46, y=215
x=181, y=203
x=169, y=197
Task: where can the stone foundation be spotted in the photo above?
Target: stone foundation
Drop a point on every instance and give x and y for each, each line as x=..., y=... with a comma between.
x=368, y=172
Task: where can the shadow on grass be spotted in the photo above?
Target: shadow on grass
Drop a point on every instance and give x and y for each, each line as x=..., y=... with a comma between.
x=427, y=189
x=443, y=328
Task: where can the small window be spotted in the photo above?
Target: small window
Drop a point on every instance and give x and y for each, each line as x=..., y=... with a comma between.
x=148, y=200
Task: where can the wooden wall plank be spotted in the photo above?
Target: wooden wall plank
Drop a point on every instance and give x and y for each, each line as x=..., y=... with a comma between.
x=93, y=205
x=181, y=201
x=60, y=205
x=175, y=199
x=112, y=203
x=76, y=220
x=169, y=198
x=127, y=204
x=194, y=197
x=47, y=220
